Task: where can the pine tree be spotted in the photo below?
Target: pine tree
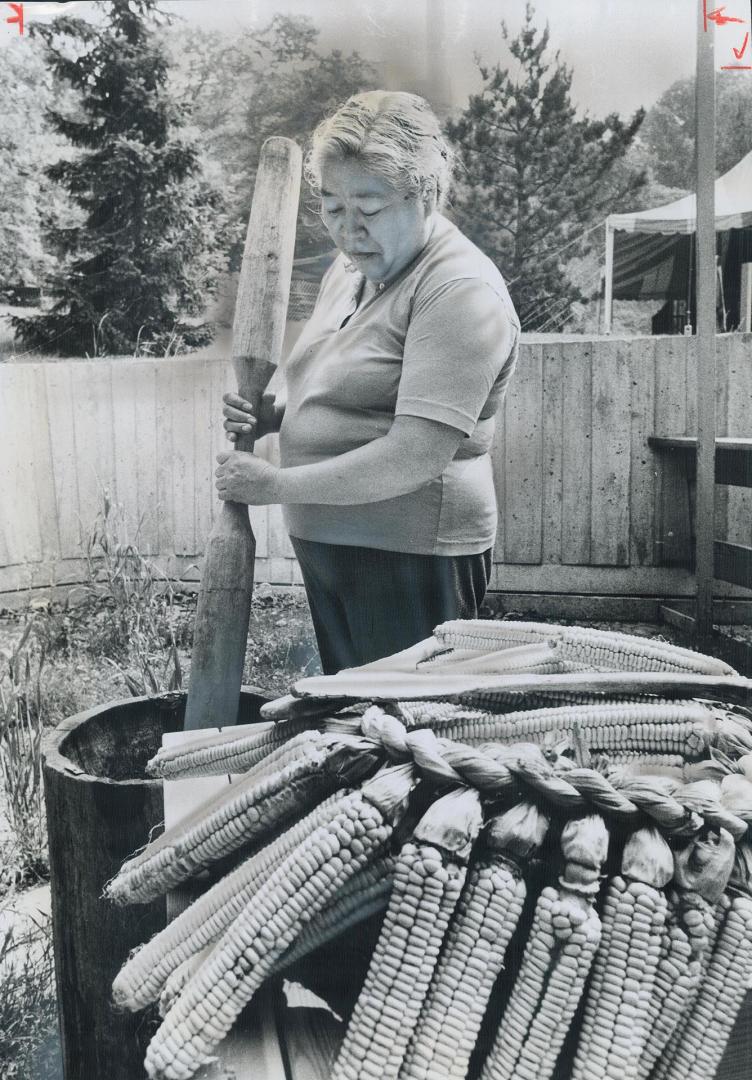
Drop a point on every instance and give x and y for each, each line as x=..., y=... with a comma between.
x=141, y=248
x=535, y=175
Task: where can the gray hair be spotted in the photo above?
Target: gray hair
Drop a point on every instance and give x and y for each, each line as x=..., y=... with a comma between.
x=394, y=134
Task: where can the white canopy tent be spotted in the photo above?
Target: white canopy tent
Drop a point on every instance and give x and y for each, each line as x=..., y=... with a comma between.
x=733, y=210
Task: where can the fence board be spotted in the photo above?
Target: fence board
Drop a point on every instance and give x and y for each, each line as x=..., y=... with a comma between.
x=611, y=408
x=553, y=427
x=144, y=378
x=672, y=510
x=183, y=456
x=43, y=480
x=643, y=462
x=125, y=406
x=165, y=487
x=523, y=441
x=22, y=532
x=92, y=424
x=576, y=455
x=724, y=359
x=63, y=463
x=739, y=504
x=6, y=523
x=203, y=408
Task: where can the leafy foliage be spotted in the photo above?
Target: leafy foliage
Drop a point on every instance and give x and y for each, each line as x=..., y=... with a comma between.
x=271, y=81
x=669, y=130
x=142, y=246
x=536, y=175
x=24, y=149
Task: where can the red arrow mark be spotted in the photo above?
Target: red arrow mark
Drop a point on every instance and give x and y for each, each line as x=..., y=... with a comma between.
x=720, y=19
x=18, y=17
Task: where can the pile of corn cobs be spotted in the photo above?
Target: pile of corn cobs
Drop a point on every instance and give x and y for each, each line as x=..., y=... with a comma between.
x=572, y=865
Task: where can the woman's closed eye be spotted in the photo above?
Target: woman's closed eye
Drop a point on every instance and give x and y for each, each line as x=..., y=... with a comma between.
x=334, y=211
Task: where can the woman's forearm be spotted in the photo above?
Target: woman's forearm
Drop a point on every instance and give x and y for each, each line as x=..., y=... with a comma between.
x=414, y=452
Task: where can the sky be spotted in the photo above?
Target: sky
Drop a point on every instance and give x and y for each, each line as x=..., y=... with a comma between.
x=624, y=55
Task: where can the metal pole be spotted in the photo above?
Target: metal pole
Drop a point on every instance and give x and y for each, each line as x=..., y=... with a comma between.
x=705, y=343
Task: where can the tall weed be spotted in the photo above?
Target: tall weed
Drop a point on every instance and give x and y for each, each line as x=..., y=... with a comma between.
x=28, y=1005
x=21, y=725
x=133, y=604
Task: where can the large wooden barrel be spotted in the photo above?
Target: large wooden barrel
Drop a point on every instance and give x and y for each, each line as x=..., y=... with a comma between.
x=100, y=809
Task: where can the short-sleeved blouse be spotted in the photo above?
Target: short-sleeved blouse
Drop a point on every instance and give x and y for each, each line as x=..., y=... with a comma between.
x=440, y=342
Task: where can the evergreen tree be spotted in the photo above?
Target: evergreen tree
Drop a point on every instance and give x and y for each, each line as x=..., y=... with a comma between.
x=535, y=175
x=141, y=248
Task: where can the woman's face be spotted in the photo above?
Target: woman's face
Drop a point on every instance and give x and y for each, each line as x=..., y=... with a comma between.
x=379, y=228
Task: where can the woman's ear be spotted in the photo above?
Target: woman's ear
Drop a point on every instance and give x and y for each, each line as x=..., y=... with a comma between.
x=430, y=195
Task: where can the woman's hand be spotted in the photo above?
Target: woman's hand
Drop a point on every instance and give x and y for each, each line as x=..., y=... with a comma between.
x=245, y=478
x=240, y=419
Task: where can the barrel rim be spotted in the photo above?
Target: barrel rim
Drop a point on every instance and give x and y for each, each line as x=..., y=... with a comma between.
x=54, y=759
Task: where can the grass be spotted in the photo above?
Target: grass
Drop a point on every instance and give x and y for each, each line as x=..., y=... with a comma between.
x=28, y=1007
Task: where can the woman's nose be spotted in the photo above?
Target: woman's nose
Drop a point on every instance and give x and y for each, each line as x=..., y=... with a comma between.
x=353, y=225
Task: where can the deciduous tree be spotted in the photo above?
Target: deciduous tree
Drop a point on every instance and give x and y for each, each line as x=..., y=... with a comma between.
x=268, y=81
x=669, y=129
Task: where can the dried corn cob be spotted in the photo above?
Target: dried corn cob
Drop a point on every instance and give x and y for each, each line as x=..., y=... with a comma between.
x=428, y=879
x=614, y=650
x=557, y=958
x=681, y=728
x=303, y=884
x=724, y=985
x=677, y=978
x=614, y=1022
x=708, y=872
x=365, y=894
x=288, y=708
x=543, y=657
x=701, y=873
x=711, y=930
x=226, y=752
x=141, y=979
x=246, y=812
x=180, y=977
x=501, y=701
x=472, y=957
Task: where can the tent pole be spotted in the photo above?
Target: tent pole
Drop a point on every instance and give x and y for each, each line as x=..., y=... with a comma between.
x=608, y=300
x=706, y=324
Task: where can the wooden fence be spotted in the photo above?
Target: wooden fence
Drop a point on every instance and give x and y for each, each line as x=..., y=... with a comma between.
x=580, y=493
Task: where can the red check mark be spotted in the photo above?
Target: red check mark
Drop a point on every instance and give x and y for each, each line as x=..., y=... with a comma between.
x=739, y=53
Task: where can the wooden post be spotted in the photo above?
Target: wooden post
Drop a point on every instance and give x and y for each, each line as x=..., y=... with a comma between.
x=706, y=294
x=224, y=604
x=745, y=306
x=608, y=302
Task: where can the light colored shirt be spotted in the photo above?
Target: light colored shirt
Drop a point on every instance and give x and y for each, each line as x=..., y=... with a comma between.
x=440, y=342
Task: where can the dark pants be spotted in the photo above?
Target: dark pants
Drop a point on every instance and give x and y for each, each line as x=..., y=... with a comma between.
x=367, y=603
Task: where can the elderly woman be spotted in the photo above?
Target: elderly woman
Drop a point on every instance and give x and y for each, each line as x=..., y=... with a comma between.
x=391, y=392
